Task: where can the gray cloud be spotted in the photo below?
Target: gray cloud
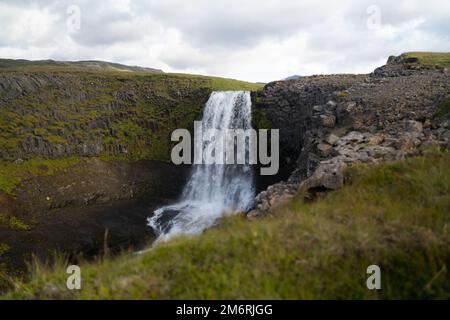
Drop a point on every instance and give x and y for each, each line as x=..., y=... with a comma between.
x=251, y=40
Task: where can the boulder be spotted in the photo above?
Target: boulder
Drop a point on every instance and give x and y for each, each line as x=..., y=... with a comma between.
x=414, y=126
x=324, y=149
x=318, y=108
x=351, y=106
x=351, y=137
x=328, y=120
x=331, y=104
x=376, y=140
x=332, y=139
x=329, y=175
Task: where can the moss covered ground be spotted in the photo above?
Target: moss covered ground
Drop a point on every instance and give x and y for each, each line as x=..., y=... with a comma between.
x=440, y=59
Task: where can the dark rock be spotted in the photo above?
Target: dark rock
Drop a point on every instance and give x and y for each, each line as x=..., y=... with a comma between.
x=324, y=149
x=389, y=113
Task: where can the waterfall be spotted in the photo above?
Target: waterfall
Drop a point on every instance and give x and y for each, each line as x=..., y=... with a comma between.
x=212, y=189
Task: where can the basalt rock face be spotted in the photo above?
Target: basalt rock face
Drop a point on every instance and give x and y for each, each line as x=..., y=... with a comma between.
x=292, y=106
x=60, y=114
x=330, y=122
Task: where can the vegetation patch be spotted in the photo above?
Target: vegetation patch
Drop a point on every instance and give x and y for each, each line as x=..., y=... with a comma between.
x=443, y=110
x=260, y=120
x=13, y=222
x=440, y=59
x=13, y=173
x=392, y=215
x=343, y=94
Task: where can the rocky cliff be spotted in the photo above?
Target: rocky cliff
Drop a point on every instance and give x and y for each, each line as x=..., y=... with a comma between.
x=60, y=114
x=330, y=122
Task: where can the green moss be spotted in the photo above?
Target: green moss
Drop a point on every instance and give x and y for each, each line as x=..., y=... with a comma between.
x=343, y=94
x=3, y=248
x=55, y=139
x=12, y=174
x=443, y=110
x=393, y=215
x=9, y=144
x=17, y=224
x=42, y=132
x=13, y=223
x=260, y=120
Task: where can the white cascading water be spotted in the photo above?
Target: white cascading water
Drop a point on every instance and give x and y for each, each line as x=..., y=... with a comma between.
x=215, y=189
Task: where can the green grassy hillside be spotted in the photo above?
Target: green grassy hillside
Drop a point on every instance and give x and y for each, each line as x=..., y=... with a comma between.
x=52, y=65
x=441, y=59
x=393, y=215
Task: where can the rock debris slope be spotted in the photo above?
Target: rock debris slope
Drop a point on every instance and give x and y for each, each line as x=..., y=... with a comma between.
x=330, y=122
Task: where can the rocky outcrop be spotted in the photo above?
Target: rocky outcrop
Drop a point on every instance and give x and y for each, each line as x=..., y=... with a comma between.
x=402, y=65
x=331, y=122
x=296, y=106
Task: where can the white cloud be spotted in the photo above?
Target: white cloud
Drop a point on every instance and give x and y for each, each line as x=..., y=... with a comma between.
x=21, y=27
x=250, y=40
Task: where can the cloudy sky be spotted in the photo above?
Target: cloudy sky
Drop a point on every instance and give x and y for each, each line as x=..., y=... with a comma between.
x=245, y=39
